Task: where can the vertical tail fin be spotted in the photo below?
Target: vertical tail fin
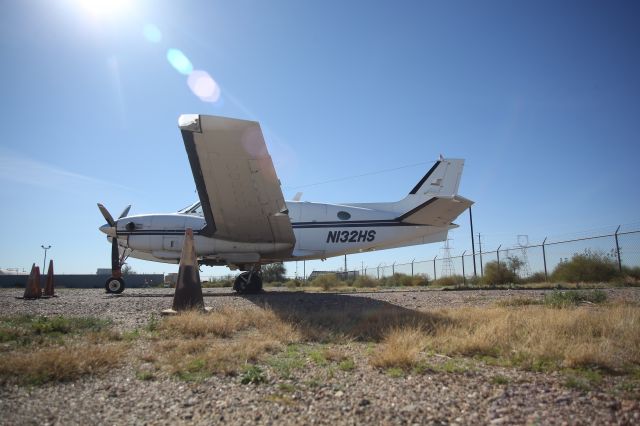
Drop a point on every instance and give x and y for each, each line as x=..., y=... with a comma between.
x=435, y=200
x=443, y=179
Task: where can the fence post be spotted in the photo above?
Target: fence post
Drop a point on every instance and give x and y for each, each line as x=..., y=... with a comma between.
x=480, y=253
x=412, y=266
x=498, y=254
x=464, y=277
x=434, y=268
x=544, y=260
x=618, y=249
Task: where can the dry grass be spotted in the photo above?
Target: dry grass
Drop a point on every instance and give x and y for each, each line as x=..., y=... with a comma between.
x=534, y=336
x=529, y=336
x=39, y=349
x=199, y=345
x=227, y=322
x=59, y=363
x=400, y=348
x=195, y=360
x=195, y=345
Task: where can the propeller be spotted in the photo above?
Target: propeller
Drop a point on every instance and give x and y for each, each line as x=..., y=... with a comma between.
x=125, y=212
x=107, y=216
x=115, y=254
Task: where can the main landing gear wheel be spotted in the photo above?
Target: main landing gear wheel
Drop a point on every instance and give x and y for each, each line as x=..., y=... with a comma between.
x=114, y=285
x=248, y=283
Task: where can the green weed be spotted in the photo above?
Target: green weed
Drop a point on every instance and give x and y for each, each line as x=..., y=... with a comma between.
x=347, y=364
x=565, y=299
x=253, y=375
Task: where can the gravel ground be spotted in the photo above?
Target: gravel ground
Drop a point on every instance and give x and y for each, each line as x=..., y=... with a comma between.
x=312, y=395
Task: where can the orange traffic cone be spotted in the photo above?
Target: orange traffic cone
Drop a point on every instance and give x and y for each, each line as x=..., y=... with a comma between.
x=48, y=288
x=188, y=294
x=32, y=289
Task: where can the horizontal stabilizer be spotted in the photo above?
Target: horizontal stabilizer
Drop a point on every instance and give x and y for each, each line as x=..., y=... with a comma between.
x=437, y=211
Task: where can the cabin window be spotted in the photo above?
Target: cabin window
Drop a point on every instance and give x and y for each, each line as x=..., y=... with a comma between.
x=342, y=215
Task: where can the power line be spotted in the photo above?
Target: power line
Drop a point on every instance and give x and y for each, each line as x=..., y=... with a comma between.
x=377, y=172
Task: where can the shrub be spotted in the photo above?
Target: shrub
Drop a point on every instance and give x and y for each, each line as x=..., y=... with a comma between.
x=404, y=280
x=291, y=284
x=498, y=273
x=273, y=272
x=537, y=277
x=327, y=281
x=365, y=281
x=590, y=266
x=448, y=281
x=632, y=272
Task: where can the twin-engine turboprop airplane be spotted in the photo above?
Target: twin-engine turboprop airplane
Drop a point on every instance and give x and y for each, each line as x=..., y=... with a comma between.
x=243, y=222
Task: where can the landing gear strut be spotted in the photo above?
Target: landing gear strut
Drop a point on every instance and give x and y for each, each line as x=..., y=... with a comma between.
x=249, y=282
x=115, y=283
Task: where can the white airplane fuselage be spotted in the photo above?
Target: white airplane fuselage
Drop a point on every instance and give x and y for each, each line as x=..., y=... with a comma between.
x=321, y=231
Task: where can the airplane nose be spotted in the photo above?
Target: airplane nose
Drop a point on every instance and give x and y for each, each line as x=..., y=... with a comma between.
x=109, y=230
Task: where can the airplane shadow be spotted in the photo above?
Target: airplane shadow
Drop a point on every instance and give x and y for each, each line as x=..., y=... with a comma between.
x=326, y=317
x=148, y=295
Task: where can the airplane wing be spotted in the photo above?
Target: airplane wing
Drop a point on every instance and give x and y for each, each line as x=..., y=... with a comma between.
x=437, y=211
x=237, y=184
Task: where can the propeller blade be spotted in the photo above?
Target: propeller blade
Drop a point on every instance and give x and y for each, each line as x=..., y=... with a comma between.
x=125, y=212
x=107, y=216
x=298, y=196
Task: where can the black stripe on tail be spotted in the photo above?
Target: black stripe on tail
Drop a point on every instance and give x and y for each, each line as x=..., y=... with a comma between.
x=425, y=177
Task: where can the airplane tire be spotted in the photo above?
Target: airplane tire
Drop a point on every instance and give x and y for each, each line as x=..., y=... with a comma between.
x=248, y=283
x=114, y=285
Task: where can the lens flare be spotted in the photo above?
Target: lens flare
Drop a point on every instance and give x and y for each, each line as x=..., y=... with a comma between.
x=203, y=86
x=179, y=61
x=152, y=33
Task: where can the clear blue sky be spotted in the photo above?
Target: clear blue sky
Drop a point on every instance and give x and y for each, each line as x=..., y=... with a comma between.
x=542, y=99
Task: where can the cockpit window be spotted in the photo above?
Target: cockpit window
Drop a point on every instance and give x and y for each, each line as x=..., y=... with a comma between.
x=194, y=209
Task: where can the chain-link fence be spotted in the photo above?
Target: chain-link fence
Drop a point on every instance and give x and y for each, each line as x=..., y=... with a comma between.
x=527, y=261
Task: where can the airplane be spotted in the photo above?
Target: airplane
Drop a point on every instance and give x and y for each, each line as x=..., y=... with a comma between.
x=242, y=220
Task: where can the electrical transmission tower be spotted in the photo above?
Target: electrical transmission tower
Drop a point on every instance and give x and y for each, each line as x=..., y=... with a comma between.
x=447, y=263
x=523, y=243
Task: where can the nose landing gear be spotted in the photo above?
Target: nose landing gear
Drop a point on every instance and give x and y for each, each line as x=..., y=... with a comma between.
x=249, y=282
x=115, y=283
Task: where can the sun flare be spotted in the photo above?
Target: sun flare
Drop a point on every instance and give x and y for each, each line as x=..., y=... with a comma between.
x=106, y=8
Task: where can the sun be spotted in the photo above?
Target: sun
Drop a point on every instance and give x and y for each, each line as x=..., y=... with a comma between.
x=106, y=8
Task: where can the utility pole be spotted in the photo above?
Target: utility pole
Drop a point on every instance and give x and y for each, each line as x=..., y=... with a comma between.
x=473, y=246
x=345, y=265
x=44, y=262
x=480, y=247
